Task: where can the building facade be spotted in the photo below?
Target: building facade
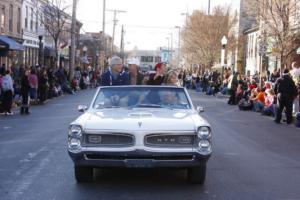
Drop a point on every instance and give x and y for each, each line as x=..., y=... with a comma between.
x=148, y=58
x=31, y=28
x=252, y=56
x=244, y=21
x=10, y=32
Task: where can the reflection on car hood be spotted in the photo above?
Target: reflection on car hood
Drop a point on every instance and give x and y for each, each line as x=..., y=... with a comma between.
x=141, y=120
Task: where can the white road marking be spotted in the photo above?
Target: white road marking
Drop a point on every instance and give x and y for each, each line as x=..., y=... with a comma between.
x=7, y=127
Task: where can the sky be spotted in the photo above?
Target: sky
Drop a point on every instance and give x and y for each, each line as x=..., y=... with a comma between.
x=147, y=23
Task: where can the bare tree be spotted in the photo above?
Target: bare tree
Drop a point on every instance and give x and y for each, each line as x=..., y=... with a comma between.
x=202, y=35
x=279, y=23
x=54, y=17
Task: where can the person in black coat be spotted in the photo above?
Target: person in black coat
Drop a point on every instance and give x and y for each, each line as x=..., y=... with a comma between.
x=158, y=77
x=286, y=92
x=25, y=93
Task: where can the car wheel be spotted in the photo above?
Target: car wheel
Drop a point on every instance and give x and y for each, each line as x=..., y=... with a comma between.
x=83, y=174
x=197, y=174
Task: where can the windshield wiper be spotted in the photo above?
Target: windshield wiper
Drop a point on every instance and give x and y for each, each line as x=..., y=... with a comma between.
x=104, y=107
x=145, y=105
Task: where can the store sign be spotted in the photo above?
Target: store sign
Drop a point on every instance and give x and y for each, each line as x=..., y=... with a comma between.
x=164, y=56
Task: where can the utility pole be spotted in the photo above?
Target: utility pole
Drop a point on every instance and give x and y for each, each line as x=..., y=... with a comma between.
x=122, y=44
x=168, y=49
x=103, y=35
x=114, y=27
x=179, y=44
x=73, y=45
x=208, y=11
x=171, y=54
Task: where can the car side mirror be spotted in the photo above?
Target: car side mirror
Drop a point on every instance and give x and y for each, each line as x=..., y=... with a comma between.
x=82, y=108
x=200, y=109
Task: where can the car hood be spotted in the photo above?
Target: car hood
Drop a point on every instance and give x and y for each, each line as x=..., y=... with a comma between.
x=141, y=120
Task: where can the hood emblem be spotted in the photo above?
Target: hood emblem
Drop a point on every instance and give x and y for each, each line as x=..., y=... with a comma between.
x=140, y=124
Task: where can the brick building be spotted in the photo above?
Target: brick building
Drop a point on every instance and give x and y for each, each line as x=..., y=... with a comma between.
x=11, y=32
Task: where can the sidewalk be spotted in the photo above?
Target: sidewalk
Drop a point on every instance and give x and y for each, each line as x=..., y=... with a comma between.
x=16, y=107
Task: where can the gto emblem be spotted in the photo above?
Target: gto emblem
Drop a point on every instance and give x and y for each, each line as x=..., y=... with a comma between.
x=140, y=124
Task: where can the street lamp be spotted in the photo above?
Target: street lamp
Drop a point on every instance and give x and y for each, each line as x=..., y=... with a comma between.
x=224, y=43
x=179, y=32
x=41, y=47
x=168, y=48
x=186, y=17
x=171, y=53
x=84, y=49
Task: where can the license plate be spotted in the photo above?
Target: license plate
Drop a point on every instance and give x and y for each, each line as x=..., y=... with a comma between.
x=139, y=163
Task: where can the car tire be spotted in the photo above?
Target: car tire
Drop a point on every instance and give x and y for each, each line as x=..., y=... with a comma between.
x=197, y=175
x=83, y=174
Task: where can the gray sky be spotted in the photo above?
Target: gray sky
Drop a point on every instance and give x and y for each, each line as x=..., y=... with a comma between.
x=147, y=23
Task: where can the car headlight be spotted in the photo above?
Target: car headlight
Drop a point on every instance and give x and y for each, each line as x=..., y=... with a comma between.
x=75, y=131
x=74, y=138
x=74, y=143
x=204, y=144
x=204, y=133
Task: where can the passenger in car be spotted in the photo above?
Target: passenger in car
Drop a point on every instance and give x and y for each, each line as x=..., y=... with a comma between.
x=171, y=78
x=135, y=77
x=115, y=75
x=158, y=77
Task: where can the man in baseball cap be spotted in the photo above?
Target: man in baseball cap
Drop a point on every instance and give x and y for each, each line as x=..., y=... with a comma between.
x=135, y=77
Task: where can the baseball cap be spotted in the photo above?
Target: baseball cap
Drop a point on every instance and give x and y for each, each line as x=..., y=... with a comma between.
x=133, y=61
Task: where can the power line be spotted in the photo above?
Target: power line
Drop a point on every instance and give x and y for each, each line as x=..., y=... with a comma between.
x=149, y=27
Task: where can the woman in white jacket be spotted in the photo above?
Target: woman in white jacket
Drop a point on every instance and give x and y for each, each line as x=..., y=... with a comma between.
x=7, y=92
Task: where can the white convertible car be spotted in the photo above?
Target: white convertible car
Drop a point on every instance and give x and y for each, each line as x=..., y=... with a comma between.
x=140, y=126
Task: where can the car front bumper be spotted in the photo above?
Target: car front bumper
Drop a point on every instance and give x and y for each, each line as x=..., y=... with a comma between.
x=138, y=159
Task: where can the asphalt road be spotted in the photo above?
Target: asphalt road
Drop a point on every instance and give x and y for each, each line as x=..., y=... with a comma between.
x=253, y=158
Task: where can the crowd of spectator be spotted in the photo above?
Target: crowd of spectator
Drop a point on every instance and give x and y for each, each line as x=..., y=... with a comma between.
x=23, y=86
x=269, y=95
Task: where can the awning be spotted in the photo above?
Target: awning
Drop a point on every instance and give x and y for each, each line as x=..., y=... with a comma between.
x=10, y=44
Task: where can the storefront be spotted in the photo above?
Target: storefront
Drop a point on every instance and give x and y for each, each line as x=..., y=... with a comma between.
x=31, y=52
x=10, y=51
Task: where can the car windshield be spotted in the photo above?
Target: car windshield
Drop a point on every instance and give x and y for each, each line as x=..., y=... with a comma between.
x=141, y=97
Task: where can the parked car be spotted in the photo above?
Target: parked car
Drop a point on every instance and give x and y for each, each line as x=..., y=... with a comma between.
x=140, y=126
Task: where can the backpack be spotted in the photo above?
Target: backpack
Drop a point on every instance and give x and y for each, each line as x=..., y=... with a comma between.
x=5, y=85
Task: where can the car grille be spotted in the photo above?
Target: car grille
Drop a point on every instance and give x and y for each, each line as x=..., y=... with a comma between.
x=170, y=140
x=102, y=140
x=141, y=157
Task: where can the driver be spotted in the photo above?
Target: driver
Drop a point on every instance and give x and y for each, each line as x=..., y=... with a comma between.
x=167, y=98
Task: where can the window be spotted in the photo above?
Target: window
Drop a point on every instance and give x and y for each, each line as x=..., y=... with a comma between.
x=26, y=17
x=2, y=19
x=157, y=59
x=19, y=21
x=146, y=58
x=31, y=19
x=10, y=22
